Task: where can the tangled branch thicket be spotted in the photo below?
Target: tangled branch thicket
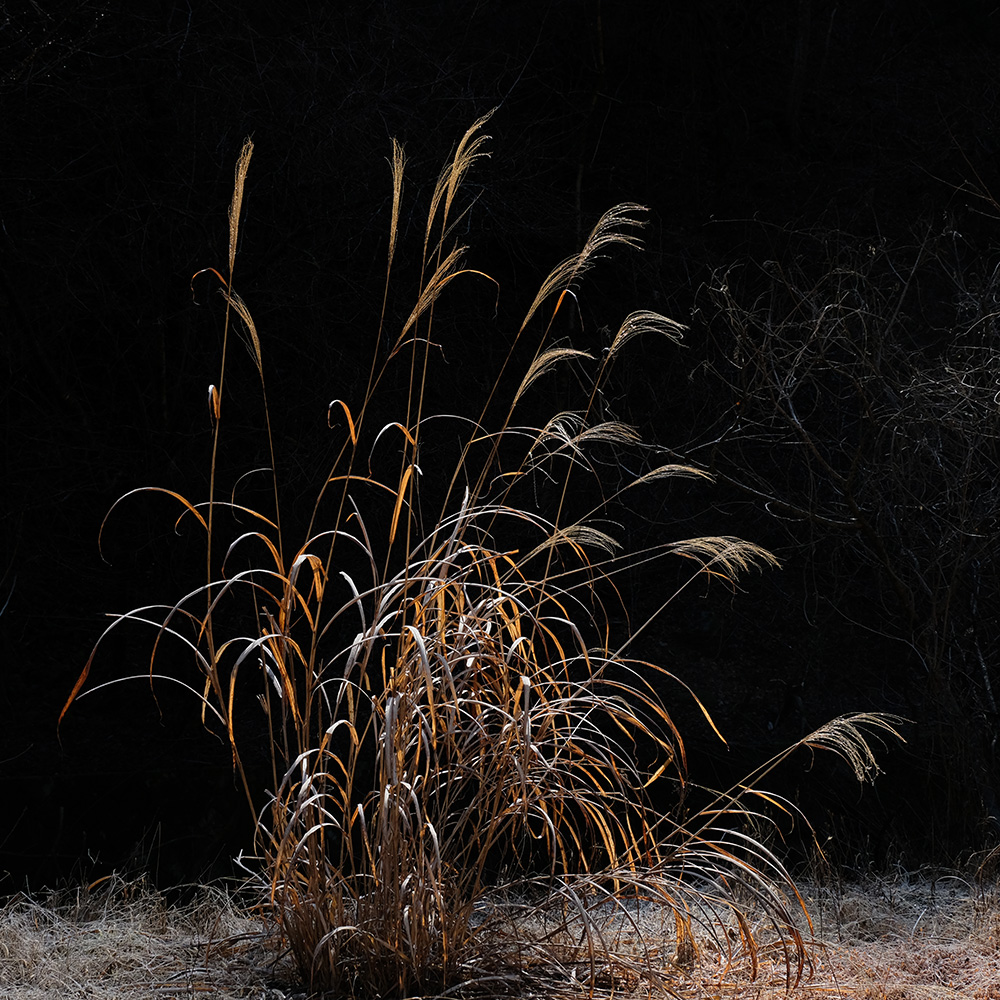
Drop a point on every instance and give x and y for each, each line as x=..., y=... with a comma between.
x=457, y=739
x=864, y=378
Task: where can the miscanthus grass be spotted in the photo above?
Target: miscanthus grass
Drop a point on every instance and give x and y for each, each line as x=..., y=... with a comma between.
x=463, y=754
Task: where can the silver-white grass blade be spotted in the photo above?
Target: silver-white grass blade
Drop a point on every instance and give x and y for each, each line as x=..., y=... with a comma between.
x=236, y=205
x=644, y=321
x=545, y=362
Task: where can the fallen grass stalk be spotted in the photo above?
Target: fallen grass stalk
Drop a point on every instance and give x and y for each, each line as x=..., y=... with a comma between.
x=458, y=802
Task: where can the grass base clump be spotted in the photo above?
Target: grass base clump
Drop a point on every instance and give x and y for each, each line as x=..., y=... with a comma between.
x=460, y=801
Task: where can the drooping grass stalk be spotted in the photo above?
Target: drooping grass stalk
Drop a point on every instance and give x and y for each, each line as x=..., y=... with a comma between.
x=454, y=740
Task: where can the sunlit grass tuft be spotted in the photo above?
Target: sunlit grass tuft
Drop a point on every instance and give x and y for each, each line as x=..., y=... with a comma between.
x=462, y=752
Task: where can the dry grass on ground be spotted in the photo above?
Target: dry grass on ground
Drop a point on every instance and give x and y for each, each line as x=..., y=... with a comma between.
x=898, y=939
x=909, y=938
x=121, y=941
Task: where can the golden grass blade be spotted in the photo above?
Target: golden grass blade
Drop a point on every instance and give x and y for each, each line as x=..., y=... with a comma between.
x=242, y=509
x=400, y=500
x=77, y=687
x=347, y=413
x=395, y=425
x=368, y=480
x=317, y=568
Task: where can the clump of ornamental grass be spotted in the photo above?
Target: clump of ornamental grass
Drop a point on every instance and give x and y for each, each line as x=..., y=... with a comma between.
x=458, y=801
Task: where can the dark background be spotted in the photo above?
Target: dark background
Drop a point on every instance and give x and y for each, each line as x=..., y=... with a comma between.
x=819, y=179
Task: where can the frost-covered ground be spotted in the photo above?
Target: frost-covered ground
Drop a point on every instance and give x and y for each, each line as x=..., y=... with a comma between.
x=900, y=938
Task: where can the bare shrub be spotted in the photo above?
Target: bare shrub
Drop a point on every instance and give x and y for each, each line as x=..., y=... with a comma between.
x=861, y=379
